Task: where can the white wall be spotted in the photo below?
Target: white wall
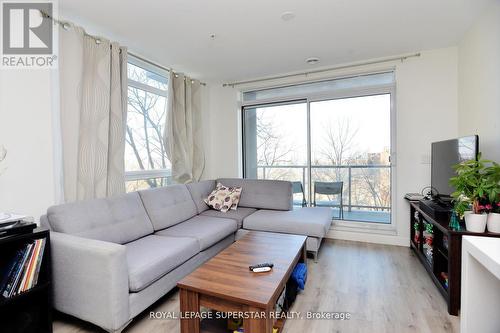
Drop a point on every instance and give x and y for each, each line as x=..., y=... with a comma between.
x=27, y=183
x=479, y=82
x=426, y=98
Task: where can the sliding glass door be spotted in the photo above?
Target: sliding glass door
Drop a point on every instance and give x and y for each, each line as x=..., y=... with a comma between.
x=332, y=139
x=275, y=144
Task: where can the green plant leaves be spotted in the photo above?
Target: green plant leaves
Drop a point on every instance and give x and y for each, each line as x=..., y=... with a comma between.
x=478, y=181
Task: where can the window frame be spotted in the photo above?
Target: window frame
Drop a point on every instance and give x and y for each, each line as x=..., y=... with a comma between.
x=137, y=175
x=340, y=225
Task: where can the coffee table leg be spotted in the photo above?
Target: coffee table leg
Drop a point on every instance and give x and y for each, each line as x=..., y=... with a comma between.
x=257, y=325
x=190, y=303
x=304, y=254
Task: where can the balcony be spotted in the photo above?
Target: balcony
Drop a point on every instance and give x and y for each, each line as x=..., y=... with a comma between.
x=366, y=191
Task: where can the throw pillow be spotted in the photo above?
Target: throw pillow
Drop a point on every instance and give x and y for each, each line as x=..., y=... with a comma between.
x=235, y=196
x=220, y=199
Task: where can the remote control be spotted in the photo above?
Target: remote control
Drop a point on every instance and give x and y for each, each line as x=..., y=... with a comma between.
x=261, y=269
x=265, y=267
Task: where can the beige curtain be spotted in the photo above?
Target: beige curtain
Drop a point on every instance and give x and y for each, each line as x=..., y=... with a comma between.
x=93, y=106
x=183, y=136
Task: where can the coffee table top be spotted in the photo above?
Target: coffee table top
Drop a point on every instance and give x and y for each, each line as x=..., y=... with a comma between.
x=227, y=275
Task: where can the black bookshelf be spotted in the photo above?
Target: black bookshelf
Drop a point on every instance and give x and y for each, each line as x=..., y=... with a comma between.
x=31, y=310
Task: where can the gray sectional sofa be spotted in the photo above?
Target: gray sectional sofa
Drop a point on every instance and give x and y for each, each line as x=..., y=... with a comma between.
x=114, y=257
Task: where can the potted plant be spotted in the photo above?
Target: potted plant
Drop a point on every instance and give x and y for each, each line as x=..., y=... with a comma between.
x=472, y=184
x=493, y=194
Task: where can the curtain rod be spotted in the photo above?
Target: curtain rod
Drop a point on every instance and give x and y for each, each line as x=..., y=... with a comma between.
x=66, y=24
x=141, y=58
x=270, y=78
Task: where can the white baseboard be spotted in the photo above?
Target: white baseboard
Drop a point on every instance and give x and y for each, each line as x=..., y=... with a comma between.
x=368, y=237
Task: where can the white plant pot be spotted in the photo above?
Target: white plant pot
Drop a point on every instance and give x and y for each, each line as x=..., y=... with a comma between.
x=493, y=222
x=475, y=222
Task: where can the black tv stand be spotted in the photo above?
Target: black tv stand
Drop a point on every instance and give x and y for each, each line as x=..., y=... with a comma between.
x=446, y=253
x=436, y=208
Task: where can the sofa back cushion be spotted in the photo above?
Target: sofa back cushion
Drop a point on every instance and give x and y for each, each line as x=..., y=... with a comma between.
x=167, y=206
x=199, y=192
x=119, y=219
x=263, y=194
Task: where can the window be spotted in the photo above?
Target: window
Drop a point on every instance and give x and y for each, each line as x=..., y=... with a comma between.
x=350, y=143
x=336, y=132
x=146, y=162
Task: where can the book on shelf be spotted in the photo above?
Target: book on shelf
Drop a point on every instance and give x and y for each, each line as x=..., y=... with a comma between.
x=12, y=277
x=9, y=269
x=23, y=286
x=21, y=272
x=19, y=275
x=36, y=273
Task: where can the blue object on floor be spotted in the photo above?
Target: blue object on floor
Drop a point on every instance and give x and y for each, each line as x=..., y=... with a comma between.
x=299, y=274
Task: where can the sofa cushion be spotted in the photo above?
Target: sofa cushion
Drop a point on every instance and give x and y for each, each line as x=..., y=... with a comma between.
x=238, y=215
x=207, y=230
x=199, y=192
x=308, y=221
x=263, y=194
x=167, y=206
x=119, y=219
x=152, y=257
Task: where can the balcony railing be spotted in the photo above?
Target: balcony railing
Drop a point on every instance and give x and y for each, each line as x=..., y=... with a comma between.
x=266, y=169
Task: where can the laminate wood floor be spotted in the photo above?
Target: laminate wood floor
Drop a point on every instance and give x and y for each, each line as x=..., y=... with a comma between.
x=383, y=288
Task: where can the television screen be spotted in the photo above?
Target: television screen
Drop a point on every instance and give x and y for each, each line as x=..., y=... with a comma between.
x=446, y=154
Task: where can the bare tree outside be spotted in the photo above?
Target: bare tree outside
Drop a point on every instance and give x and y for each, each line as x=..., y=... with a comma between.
x=369, y=186
x=279, y=144
x=271, y=151
x=339, y=146
x=145, y=147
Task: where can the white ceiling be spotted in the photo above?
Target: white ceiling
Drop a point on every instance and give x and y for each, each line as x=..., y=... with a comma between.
x=253, y=41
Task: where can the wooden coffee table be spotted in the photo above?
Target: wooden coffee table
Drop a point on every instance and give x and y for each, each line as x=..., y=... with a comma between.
x=225, y=284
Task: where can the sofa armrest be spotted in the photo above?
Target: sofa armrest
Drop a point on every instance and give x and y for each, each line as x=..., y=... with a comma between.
x=90, y=279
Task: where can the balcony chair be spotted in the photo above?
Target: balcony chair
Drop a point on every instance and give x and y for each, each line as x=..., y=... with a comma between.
x=298, y=188
x=329, y=188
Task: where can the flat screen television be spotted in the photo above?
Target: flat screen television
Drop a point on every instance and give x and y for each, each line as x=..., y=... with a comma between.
x=446, y=154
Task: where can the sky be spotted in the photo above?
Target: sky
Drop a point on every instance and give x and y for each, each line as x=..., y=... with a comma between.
x=368, y=118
